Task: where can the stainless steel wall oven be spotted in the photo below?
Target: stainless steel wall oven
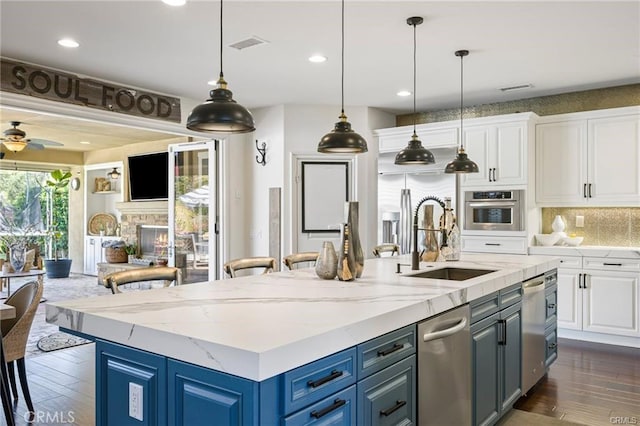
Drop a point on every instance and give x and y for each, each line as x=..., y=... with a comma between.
x=494, y=210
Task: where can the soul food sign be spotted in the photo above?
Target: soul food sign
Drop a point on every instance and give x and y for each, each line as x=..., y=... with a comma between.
x=68, y=88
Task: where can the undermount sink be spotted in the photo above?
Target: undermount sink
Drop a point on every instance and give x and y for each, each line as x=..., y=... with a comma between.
x=454, y=274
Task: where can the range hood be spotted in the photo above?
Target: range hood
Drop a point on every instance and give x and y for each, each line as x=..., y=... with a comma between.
x=442, y=156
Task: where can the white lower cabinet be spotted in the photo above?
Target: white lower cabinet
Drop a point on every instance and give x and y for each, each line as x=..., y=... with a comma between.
x=600, y=297
x=94, y=253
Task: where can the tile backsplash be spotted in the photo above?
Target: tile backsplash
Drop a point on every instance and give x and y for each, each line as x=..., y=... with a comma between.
x=610, y=226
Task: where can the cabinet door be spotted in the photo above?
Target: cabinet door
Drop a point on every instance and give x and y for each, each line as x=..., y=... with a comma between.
x=477, y=142
x=486, y=370
x=561, y=162
x=389, y=396
x=122, y=372
x=90, y=263
x=610, y=303
x=511, y=356
x=569, y=299
x=337, y=409
x=510, y=153
x=608, y=187
x=199, y=396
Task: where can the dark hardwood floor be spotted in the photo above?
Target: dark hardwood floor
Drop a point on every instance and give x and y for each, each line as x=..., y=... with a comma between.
x=589, y=383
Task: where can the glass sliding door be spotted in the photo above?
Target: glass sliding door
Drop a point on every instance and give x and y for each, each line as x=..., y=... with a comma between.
x=192, y=210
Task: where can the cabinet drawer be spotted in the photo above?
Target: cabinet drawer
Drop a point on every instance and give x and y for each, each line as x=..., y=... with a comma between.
x=383, y=351
x=336, y=409
x=389, y=396
x=490, y=244
x=484, y=306
x=510, y=295
x=319, y=379
x=552, y=308
x=570, y=261
x=611, y=264
x=551, y=346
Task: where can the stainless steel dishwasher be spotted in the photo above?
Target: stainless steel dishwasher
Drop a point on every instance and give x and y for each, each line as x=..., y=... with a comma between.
x=533, y=341
x=444, y=369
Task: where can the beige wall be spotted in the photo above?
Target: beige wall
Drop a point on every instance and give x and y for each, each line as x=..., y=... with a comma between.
x=602, y=226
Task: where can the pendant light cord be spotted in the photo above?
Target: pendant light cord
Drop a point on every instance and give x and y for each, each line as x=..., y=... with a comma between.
x=414, y=79
x=342, y=70
x=461, y=102
x=221, y=73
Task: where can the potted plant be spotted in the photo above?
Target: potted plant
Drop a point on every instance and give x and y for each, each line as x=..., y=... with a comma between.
x=55, y=266
x=132, y=251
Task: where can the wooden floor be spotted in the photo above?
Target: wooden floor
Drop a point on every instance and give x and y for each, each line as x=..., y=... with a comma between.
x=589, y=383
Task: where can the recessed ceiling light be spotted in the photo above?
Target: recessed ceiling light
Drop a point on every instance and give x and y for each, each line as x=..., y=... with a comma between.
x=174, y=2
x=212, y=82
x=403, y=93
x=68, y=42
x=85, y=143
x=317, y=58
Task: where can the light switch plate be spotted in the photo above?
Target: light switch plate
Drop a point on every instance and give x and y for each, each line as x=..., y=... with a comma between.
x=579, y=221
x=135, y=401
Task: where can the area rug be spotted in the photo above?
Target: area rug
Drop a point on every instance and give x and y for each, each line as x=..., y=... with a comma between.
x=60, y=340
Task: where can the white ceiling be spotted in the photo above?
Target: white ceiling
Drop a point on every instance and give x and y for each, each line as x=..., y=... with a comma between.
x=555, y=46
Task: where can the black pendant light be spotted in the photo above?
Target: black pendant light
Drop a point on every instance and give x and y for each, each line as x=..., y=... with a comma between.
x=414, y=153
x=342, y=139
x=220, y=113
x=113, y=174
x=462, y=163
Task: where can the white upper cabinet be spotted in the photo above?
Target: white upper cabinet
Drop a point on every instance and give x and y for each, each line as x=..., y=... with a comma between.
x=589, y=159
x=500, y=151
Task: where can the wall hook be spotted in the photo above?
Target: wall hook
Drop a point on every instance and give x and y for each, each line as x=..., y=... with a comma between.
x=261, y=159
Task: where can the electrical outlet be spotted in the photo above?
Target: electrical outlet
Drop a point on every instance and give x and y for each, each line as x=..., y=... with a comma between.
x=135, y=401
x=579, y=221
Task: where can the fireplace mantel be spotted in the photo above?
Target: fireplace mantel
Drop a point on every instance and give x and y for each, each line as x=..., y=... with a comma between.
x=143, y=207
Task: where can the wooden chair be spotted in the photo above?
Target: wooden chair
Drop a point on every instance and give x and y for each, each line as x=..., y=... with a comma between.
x=307, y=256
x=386, y=248
x=15, y=334
x=232, y=266
x=167, y=274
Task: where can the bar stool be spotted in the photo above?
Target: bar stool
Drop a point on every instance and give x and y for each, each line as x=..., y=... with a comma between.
x=307, y=256
x=386, y=248
x=167, y=274
x=232, y=266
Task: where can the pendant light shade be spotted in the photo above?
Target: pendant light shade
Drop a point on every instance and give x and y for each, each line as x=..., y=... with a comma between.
x=414, y=153
x=462, y=163
x=342, y=139
x=220, y=113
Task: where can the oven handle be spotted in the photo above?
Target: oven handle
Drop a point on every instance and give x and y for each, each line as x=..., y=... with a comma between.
x=493, y=204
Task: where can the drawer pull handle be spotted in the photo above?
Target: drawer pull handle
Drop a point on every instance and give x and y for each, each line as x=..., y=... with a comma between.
x=551, y=305
x=389, y=411
x=336, y=404
x=392, y=349
x=612, y=264
x=492, y=244
x=552, y=345
x=334, y=375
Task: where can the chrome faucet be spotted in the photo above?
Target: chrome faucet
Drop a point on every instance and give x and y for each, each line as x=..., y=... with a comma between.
x=415, y=255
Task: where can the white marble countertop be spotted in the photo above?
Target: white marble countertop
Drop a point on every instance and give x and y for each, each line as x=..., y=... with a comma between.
x=595, y=251
x=260, y=326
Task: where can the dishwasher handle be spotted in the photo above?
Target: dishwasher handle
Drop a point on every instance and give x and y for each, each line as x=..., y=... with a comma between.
x=532, y=283
x=446, y=332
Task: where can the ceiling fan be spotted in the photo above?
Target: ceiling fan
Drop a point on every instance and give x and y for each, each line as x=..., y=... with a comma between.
x=15, y=140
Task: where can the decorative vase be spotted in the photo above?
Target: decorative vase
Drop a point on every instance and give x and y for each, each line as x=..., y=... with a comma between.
x=351, y=217
x=17, y=257
x=431, y=249
x=558, y=224
x=327, y=263
x=346, y=260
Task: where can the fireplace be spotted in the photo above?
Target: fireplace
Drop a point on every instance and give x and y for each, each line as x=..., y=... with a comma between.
x=152, y=241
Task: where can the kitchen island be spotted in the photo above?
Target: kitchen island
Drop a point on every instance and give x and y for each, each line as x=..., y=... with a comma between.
x=256, y=329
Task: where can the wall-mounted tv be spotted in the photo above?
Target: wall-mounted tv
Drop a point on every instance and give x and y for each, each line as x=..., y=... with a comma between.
x=149, y=176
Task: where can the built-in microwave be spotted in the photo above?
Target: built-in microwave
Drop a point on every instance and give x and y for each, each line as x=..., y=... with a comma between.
x=494, y=210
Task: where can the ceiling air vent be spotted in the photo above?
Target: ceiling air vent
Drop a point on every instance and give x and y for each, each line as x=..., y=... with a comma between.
x=249, y=42
x=517, y=87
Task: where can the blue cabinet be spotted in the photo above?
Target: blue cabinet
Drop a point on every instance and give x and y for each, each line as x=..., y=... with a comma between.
x=198, y=396
x=496, y=334
x=551, y=322
x=123, y=374
x=337, y=409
